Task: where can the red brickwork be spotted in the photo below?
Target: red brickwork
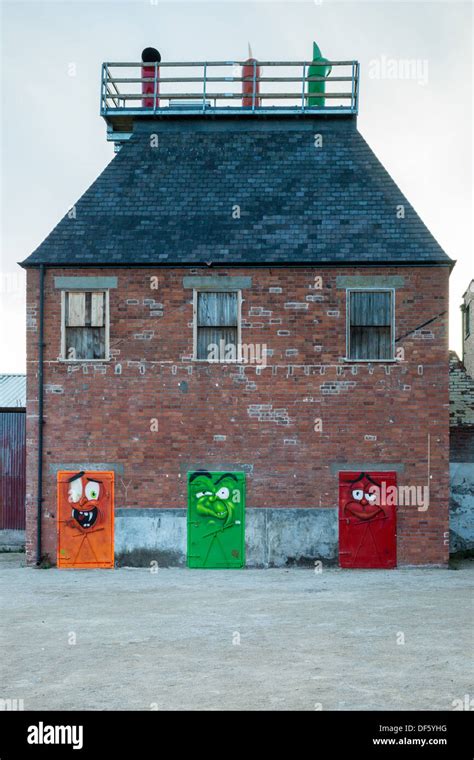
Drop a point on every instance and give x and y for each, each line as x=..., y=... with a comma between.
x=262, y=420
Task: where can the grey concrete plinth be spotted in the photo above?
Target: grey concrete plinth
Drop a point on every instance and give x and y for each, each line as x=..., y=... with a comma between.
x=276, y=537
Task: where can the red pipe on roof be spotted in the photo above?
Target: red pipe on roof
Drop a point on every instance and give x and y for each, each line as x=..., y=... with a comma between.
x=251, y=75
x=151, y=55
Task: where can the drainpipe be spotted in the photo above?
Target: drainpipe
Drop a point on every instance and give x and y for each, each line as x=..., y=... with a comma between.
x=40, y=416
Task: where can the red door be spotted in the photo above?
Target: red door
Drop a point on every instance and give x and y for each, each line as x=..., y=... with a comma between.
x=367, y=519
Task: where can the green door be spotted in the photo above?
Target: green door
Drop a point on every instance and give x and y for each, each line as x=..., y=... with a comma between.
x=216, y=519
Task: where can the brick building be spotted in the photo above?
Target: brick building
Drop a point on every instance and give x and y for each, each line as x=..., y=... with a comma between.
x=272, y=231
x=13, y=461
x=461, y=434
x=467, y=309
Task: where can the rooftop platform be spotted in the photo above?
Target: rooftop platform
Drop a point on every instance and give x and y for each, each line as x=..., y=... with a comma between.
x=242, y=89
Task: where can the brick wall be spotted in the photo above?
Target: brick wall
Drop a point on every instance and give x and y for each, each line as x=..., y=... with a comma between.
x=260, y=420
x=461, y=443
x=461, y=411
x=468, y=342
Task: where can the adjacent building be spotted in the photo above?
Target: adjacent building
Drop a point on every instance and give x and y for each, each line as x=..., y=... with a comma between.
x=12, y=461
x=461, y=434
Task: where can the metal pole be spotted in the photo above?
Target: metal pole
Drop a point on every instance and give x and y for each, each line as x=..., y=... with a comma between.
x=352, y=87
x=303, y=88
x=357, y=88
x=254, y=88
x=156, y=87
x=204, y=89
x=39, y=507
x=102, y=90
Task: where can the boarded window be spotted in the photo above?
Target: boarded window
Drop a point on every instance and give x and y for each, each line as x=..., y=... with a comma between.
x=217, y=324
x=370, y=325
x=85, y=325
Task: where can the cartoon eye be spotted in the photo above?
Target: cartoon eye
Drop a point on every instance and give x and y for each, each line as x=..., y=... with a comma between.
x=92, y=490
x=223, y=493
x=371, y=497
x=75, y=491
x=203, y=493
x=358, y=494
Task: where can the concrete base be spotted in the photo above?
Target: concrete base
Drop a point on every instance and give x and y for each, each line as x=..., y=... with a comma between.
x=461, y=507
x=143, y=536
x=12, y=540
x=273, y=537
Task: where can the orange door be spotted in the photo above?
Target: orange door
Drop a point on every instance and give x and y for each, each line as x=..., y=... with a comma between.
x=85, y=519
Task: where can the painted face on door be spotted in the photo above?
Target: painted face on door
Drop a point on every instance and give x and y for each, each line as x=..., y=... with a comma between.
x=214, y=495
x=363, y=498
x=85, y=494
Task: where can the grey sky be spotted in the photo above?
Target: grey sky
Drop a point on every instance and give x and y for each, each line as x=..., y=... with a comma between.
x=53, y=139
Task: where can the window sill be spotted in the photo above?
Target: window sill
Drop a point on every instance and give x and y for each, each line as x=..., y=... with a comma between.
x=218, y=361
x=371, y=361
x=83, y=361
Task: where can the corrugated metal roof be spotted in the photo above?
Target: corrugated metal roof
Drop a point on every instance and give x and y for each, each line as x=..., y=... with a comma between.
x=12, y=390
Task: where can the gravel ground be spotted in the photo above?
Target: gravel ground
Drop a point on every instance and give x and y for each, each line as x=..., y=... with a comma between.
x=224, y=640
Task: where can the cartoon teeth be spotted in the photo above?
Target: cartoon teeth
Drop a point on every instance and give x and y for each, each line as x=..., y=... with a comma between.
x=85, y=518
x=82, y=513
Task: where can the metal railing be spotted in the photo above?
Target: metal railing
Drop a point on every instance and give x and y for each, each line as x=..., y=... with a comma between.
x=217, y=87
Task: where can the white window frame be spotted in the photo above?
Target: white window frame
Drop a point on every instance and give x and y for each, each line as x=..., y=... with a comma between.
x=63, y=357
x=239, y=323
x=348, y=325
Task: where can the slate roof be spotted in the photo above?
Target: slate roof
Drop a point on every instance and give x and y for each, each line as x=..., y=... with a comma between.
x=299, y=204
x=12, y=391
x=461, y=393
